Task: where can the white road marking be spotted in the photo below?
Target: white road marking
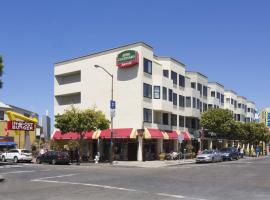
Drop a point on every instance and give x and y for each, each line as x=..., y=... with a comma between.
x=170, y=195
x=18, y=172
x=50, y=177
x=10, y=166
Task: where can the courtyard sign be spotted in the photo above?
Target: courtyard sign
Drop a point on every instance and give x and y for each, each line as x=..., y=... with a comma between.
x=127, y=58
x=21, y=126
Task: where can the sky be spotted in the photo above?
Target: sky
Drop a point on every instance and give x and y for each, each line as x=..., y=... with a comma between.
x=228, y=41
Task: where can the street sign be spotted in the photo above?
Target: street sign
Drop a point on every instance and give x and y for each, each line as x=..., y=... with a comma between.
x=112, y=112
x=112, y=104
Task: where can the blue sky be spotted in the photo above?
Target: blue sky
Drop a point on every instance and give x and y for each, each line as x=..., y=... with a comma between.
x=226, y=40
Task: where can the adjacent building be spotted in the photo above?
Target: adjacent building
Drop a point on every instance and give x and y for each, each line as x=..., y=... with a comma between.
x=157, y=100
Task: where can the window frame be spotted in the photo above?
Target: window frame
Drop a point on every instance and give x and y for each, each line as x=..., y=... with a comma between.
x=147, y=69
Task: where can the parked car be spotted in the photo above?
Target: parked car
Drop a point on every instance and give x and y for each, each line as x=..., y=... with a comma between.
x=209, y=156
x=17, y=155
x=53, y=157
x=229, y=153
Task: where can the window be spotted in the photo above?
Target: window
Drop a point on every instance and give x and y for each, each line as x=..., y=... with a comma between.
x=204, y=107
x=170, y=95
x=181, y=81
x=199, y=88
x=1, y=115
x=198, y=104
x=213, y=94
x=194, y=102
x=164, y=93
x=193, y=85
x=248, y=109
x=175, y=99
x=174, y=120
x=205, y=92
x=181, y=101
x=166, y=73
x=165, y=118
x=147, y=66
x=239, y=105
x=181, y=121
x=67, y=78
x=147, y=90
x=188, y=102
x=147, y=115
x=222, y=98
x=174, y=77
x=235, y=104
x=228, y=100
x=156, y=92
x=201, y=106
x=210, y=106
x=218, y=95
x=232, y=101
x=69, y=99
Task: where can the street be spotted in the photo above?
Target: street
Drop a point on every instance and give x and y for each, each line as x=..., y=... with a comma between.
x=243, y=179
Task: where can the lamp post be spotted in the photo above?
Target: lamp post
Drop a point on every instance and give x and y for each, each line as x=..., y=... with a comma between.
x=111, y=137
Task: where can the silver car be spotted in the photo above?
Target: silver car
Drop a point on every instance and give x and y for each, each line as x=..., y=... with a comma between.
x=209, y=156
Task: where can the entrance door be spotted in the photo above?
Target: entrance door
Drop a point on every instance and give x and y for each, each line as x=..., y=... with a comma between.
x=132, y=151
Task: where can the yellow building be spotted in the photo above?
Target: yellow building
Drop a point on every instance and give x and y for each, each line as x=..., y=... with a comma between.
x=16, y=138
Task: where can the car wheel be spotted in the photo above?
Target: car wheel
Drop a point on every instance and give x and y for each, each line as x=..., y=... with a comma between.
x=53, y=162
x=15, y=160
x=38, y=161
x=3, y=159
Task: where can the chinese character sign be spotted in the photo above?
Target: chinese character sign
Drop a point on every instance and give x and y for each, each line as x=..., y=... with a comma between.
x=21, y=126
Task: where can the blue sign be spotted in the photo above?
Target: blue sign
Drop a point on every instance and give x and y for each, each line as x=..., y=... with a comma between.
x=268, y=119
x=112, y=104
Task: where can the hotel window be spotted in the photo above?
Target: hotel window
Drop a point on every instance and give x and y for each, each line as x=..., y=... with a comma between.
x=147, y=115
x=239, y=105
x=198, y=104
x=181, y=81
x=164, y=93
x=1, y=115
x=147, y=90
x=165, y=118
x=181, y=121
x=166, y=73
x=170, y=94
x=199, y=88
x=218, y=95
x=210, y=106
x=194, y=102
x=222, y=98
x=193, y=85
x=68, y=99
x=147, y=66
x=248, y=109
x=213, y=94
x=156, y=92
x=181, y=101
x=175, y=99
x=232, y=101
x=204, y=107
x=174, y=120
x=174, y=77
x=188, y=102
x=201, y=106
x=205, y=92
x=228, y=100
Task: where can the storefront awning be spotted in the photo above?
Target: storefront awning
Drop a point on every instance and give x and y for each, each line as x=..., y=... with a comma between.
x=7, y=143
x=187, y=135
x=117, y=133
x=172, y=135
x=71, y=135
x=151, y=133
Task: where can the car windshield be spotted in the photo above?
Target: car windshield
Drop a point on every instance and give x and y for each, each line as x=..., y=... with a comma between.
x=225, y=150
x=25, y=151
x=207, y=152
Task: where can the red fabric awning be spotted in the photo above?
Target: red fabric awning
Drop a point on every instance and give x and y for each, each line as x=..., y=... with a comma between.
x=172, y=135
x=151, y=133
x=186, y=135
x=71, y=135
x=117, y=133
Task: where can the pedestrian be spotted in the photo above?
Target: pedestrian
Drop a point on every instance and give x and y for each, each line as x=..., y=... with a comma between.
x=257, y=151
x=242, y=152
x=71, y=156
x=77, y=155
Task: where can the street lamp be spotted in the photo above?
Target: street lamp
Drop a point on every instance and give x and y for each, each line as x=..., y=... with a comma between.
x=111, y=137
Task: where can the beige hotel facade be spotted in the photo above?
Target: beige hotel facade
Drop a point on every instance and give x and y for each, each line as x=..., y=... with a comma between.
x=157, y=100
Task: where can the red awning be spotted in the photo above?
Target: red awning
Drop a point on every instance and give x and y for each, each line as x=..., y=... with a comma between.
x=71, y=135
x=172, y=135
x=117, y=133
x=186, y=135
x=151, y=133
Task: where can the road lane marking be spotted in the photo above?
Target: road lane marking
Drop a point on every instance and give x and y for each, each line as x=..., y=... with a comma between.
x=50, y=177
x=18, y=172
x=171, y=195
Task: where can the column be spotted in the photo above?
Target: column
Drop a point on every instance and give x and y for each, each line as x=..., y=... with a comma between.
x=140, y=149
x=210, y=144
x=175, y=145
x=159, y=146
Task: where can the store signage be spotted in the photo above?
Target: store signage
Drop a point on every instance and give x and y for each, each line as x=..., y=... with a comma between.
x=21, y=126
x=127, y=58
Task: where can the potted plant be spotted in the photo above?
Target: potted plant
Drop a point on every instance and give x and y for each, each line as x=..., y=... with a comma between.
x=162, y=156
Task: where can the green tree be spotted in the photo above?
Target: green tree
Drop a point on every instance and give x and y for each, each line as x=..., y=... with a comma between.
x=1, y=71
x=81, y=121
x=219, y=121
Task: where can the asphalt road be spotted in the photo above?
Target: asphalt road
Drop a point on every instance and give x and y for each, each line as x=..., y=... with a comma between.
x=243, y=179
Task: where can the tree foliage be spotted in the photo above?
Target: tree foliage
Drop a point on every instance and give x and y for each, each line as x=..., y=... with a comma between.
x=1, y=71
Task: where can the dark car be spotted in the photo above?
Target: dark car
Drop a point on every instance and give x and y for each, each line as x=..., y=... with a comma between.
x=229, y=153
x=53, y=157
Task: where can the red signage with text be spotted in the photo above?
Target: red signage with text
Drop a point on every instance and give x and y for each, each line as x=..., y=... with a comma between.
x=20, y=126
x=127, y=59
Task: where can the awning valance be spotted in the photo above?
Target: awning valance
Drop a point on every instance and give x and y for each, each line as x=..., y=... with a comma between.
x=151, y=133
x=119, y=133
x=71, y=135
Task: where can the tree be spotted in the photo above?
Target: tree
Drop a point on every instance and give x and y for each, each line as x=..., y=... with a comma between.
x=1, y=71
x=219, y=121
x=81, y=121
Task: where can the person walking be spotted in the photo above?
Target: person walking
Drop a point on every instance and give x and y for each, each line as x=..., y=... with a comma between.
x=242, y=152
x=257, y=151
x=77, y=155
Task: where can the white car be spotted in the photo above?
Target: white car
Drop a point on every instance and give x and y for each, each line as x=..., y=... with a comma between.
x=17, y=155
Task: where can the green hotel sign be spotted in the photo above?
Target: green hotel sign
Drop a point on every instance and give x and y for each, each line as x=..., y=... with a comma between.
x=127, y=58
